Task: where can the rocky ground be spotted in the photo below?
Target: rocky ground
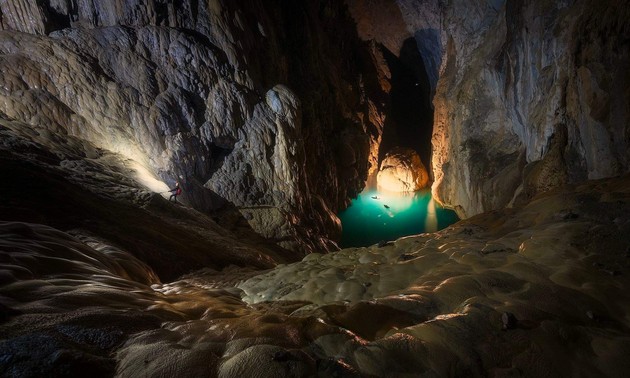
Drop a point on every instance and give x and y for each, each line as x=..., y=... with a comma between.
x=540, y=290
x=279, y=108
x=70, y=184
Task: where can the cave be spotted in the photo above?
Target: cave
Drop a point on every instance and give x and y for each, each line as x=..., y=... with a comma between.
x=409, y=121
x=384, y=212
x=273, y=117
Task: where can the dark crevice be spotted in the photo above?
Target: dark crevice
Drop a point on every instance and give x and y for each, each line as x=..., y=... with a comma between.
x=409, y=114
x=161, y=14
x=56, y=20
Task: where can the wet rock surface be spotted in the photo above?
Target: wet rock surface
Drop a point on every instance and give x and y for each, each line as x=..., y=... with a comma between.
x=476, y=288
x=427, y=304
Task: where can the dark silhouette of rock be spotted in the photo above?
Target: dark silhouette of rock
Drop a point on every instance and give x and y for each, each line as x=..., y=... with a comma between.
x=509, y=320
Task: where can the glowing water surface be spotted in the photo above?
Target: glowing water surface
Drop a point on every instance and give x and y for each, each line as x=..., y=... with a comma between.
x=375, y=215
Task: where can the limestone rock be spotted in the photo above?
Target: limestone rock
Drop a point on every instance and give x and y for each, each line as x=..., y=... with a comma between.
x=390, y=23
x=518, y=81
x=527, y=82
x=509, y=320
x=448, y=275
x=98, y=196
x=224, y=97
x=430, y=303
x=402, y=171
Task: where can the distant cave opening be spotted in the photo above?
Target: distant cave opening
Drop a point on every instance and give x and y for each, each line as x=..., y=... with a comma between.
x=377, y=214
x=409, y=120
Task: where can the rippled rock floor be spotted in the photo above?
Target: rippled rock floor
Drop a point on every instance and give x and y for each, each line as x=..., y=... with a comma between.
x=540, y=290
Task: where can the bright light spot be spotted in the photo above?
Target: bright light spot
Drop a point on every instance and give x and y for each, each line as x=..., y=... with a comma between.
x=446, y=317
x=399, y=179
x=148, y=179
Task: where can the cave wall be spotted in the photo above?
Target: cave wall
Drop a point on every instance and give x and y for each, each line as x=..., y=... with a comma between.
x=529, y=94
x=406, y=36
x=263, y=105
x=256, y=103
x=532, y=95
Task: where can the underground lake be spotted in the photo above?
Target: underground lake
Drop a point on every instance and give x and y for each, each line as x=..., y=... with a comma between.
x=378, y=215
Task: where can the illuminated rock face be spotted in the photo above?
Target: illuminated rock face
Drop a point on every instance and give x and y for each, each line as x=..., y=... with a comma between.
x=219, y=95
x=402, y=171
x=530, y=94
x=391, y=23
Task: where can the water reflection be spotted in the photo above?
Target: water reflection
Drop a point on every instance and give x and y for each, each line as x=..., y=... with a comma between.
x=377, y=215
x=431, y=222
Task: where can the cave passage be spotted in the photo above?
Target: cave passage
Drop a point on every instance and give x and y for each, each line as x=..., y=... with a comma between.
x=368, y=221
x=409, y=124
x=409, y=121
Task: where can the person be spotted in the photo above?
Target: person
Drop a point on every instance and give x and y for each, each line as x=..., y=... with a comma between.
x=175, y=192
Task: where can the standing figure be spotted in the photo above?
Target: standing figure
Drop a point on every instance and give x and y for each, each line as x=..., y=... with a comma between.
x=175, y=192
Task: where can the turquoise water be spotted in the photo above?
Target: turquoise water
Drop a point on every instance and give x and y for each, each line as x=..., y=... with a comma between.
x=367, y=220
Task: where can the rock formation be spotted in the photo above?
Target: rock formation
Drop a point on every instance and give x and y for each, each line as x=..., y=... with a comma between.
x=272, y=114
x=392, y=22
x=234, y=100
x=92, y=193
x=402, y=171
x=531, y=94
x=405, y=36
x=432, y=304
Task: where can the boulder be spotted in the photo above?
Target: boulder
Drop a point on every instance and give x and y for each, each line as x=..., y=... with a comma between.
x=402, y=171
